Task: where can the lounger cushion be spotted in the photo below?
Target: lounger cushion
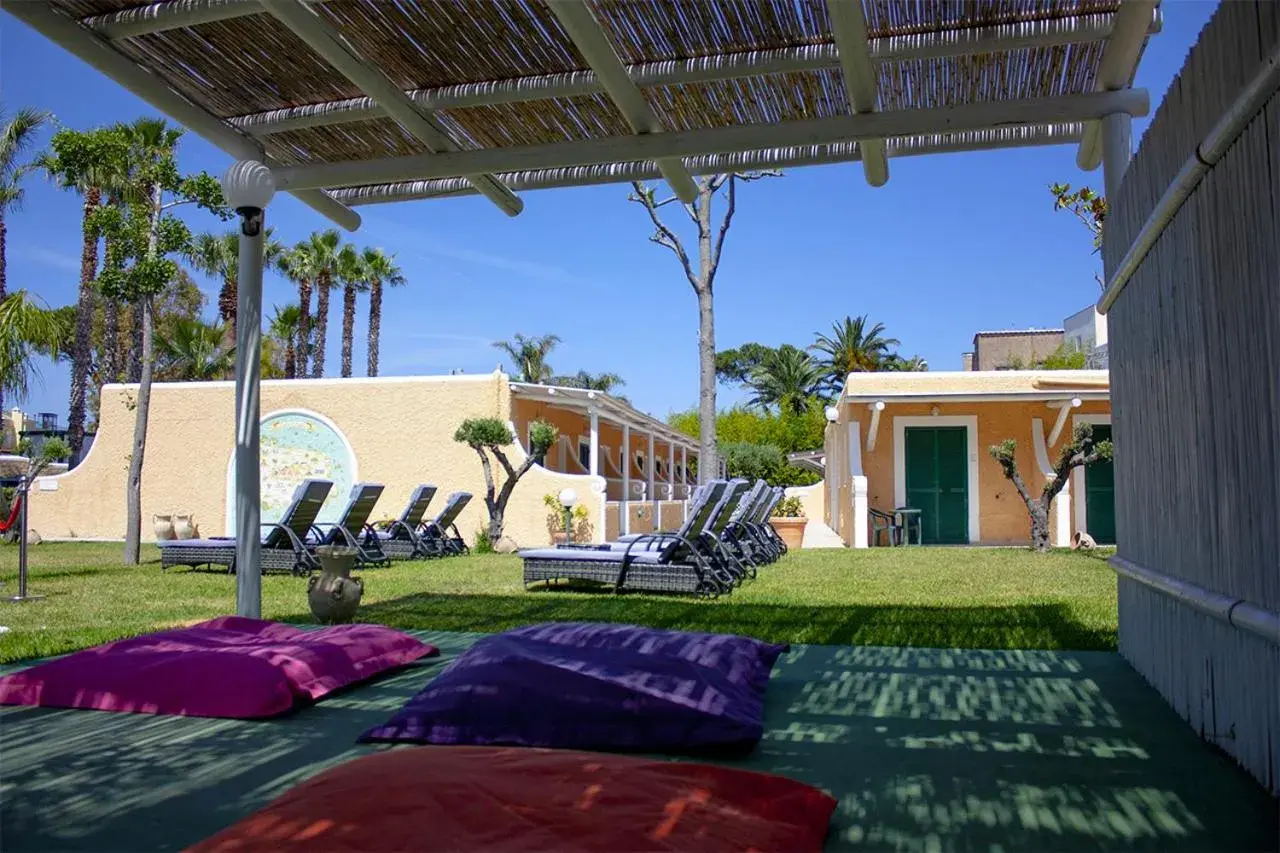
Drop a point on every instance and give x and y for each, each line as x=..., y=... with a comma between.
x=595, y=686
x=227, y=667
x=501, y=800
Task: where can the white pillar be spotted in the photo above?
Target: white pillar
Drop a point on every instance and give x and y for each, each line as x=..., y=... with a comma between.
x=1062, y=517
x=1117, y=148
x=624, y=511
x=859, y=487
x=653, y=493
x=248, y=187
x=593, y=459
x=671, y=470
x=684, y=477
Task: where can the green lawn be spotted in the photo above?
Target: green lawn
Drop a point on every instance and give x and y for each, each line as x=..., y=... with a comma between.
x=943, y=597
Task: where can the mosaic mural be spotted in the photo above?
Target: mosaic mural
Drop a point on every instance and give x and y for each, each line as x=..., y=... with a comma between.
x=296, y=446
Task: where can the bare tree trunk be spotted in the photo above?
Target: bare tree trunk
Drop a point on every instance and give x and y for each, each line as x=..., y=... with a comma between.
x=375, y=324
x=133, y=497
x=1039, y=513
x=82, y=347
x=348, y=327
x=322, y=326
x=304, y=327
x=707, y=448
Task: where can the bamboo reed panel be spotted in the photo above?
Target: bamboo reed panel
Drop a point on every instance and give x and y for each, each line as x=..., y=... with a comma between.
x=253, y=64
x=1195, y=375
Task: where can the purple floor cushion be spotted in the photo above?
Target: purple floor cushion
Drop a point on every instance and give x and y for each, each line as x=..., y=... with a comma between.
x=227, y=667
x=588, y=686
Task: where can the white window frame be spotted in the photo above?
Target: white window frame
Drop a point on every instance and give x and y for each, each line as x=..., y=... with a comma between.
x=970, y=422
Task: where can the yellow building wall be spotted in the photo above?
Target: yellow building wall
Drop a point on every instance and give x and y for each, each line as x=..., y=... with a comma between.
x=400, y=430
x=1003, y=516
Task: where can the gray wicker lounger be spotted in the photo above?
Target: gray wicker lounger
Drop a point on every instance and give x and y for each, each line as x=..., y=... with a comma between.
x=400, y=541
x=284, y=543
x=673, y=562
x=353, y=529
x=439, y=536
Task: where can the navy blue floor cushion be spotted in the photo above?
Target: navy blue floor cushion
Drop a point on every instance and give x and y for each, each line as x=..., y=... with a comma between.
x=595, y=686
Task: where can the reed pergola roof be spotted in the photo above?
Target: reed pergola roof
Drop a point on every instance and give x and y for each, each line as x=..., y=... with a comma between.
x=362, y=101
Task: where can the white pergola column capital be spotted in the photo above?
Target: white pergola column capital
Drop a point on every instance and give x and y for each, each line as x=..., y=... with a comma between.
x=248, y=186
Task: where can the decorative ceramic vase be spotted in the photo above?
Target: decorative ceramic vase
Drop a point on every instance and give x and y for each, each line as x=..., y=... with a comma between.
x=184, y=527
x=333, y=594
x=164, y=527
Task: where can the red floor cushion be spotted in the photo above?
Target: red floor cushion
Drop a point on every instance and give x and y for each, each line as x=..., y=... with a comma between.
x=227, y=667
x=503, y=799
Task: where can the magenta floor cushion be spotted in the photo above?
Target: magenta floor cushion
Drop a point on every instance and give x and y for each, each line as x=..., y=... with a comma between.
x=227, y=667
x=595, y=686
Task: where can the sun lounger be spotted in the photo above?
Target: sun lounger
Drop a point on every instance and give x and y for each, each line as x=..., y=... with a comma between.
x=672, y=562
x=401, y=540
x=439, y=536
x=285, y=545
x=353, y=529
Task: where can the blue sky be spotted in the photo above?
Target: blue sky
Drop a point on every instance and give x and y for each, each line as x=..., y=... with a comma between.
x=952, y=244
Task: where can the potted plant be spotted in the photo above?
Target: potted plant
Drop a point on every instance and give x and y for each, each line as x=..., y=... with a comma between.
x=789, y=521
x=579, y=520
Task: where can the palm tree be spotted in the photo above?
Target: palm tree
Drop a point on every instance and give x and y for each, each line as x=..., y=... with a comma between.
x=284, y=329
x=324, y=247
x=915, y=364
x=852, y=348
x=530, y=356
x=298, y=266
x=351, y=271
x=192, y=351
x=382, y=270
x=26, y=328
x=787, y=377
x=91, y=163
x=218, y=255
x=604, y=382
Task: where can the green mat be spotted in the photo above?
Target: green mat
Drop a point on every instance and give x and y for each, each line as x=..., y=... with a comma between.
x=926, y=750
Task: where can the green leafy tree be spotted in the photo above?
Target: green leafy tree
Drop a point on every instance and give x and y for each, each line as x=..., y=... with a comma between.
x=1088, y=207
x=142, y=235
x=734, y=366
x=786, y=378
x=218, y=255
x=27, y=328
x=284, y=331
x=896, y=362
x=1065, y=357
x=1080, y=450
x=91, y=163
x=529, y=356
x=192, y=351
x=854, y=346
x=603, y=382
x=487, y=437
x=788, y=431
x=382, y=271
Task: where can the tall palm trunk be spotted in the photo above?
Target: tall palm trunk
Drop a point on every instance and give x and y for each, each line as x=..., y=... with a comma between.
x=348, y=327
x=81, y=351
x=304, y=326
x=375, y=324
x=4, y=287
x=227, y=300
x=290, y=359
x=110, y=334
x=322, y=325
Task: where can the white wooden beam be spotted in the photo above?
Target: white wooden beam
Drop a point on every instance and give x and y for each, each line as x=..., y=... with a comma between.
x=1064, y=408
x=330, y=47
x=587, y=35
x=849, y=29
x=168, y=15
x=711, y=164
x=738, y=138
x=874, y=427
x=92, y=50
x=1116, y=69
x=729, y=66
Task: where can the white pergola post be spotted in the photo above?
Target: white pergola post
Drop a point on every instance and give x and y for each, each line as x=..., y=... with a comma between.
x=624, y=523
x=248, y=187
x=671, y=470
x=684, y=475
x=593, y=457
x=651, y=466
x=1117, y=148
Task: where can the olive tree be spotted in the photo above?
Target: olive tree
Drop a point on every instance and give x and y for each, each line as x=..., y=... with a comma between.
x=487, y=437
x=1081, y=450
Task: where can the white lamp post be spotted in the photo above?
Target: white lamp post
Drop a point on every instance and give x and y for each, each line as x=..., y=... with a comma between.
x=568, y=498
x=248, y=187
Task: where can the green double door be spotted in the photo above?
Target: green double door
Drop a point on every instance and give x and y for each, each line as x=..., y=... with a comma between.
x=937, y=468
x=1100, y=494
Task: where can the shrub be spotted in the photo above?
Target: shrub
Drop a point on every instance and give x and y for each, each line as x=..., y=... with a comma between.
x=789, y=508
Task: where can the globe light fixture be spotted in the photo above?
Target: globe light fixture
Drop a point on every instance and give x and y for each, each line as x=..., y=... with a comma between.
x=248, y=187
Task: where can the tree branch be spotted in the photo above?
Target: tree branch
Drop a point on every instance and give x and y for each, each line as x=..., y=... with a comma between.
x=488, y=478
x=664, y=236
x=724, y=226
x=502, y=460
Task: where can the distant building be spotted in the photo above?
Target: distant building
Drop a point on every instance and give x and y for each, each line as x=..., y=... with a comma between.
x=1087, y=330
x=37, y=428
x=1009, y=350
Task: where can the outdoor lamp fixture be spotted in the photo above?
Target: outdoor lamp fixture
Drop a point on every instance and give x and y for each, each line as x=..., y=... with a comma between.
x=248, y=187
x=832, y=413
x=568, y=497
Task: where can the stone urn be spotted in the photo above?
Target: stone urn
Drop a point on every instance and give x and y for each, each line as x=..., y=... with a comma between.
x=163, y=527
x=184, y=527
x=333, y=594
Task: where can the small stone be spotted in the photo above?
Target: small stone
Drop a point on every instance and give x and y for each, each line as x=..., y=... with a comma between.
x=33, y=538
x=505, y=545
